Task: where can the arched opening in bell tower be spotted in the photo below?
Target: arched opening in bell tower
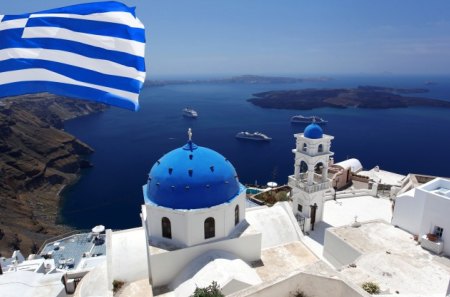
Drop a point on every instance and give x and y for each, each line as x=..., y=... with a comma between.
x=303, y=167
x=318, y=168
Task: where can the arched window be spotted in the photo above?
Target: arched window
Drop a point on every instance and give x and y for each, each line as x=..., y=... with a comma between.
x=210, y=228
x=320, y=148
x=166, y=228
x=304, y=147
x=303, y=167
x=236, y=215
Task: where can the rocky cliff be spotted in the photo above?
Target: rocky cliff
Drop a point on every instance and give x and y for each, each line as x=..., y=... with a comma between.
x=37, y=160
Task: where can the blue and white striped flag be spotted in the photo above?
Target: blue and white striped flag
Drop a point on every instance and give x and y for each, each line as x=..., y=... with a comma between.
x=91, y=51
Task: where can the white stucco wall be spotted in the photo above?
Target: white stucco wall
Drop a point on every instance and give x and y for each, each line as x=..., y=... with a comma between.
x=306, y=200
x=247, y=248
x=408, y=211
x=187, y=226
x=128, y=258
x=309, y=284
x=437, y=213
x=420, y=210
x=337, y=251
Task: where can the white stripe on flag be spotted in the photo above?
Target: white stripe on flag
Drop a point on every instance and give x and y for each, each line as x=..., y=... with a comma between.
x=102, y=66
x=110, y=43
x=38, y=74
x=13, y=24
x=118, y=17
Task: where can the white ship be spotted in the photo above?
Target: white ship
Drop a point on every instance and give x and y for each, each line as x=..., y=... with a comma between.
x=190, y=113
x=307, y=120
x=258, y=136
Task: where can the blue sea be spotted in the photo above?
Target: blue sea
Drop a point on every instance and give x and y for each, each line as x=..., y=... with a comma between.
x=127, y=144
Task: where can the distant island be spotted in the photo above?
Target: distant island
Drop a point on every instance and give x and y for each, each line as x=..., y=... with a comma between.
x=242, y=79
x=37, y=160
x=360, y=97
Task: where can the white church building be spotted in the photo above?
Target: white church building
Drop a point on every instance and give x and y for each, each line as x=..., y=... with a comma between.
x=197, y=228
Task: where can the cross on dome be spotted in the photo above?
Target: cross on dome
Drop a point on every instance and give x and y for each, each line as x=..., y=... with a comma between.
x=190, y=134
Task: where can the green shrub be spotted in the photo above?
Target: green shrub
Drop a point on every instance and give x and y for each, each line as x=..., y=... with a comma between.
x=212, y=290
x=371, y=288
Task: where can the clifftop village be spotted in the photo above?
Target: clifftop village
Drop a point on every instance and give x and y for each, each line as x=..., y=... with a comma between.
x=335, y=229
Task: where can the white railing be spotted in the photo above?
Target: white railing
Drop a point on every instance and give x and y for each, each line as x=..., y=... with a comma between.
x=318, y=186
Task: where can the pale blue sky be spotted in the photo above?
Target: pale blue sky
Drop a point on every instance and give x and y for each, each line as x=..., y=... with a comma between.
x=287, y=37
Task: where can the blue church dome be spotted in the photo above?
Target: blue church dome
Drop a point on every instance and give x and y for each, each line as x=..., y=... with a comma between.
x=313, y=131
x=192, y=177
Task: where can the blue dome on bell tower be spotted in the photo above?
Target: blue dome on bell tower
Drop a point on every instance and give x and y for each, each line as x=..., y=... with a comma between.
x=313, y=131
x=192, y=177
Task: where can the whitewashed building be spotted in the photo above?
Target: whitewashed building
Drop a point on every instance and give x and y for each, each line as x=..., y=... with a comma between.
x=425, y=210
x=310, y=180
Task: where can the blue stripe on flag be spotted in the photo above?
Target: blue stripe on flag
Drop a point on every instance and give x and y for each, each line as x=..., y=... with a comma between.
x=77, y=73
x=90, y=27
x=84, y=93
x=96, y=7
x=12, y=38
x=15, y=17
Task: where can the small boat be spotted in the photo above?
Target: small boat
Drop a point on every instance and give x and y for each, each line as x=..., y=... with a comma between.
x=308, y=120
x=189, y=113
x=258, y=136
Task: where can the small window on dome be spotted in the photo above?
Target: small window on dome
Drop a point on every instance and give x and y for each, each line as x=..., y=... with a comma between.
x=211, y=168
x=187, y=188
x=166, y=228
x=210, y=228
x=170, y=170
x=190, y=171
x=191, y=156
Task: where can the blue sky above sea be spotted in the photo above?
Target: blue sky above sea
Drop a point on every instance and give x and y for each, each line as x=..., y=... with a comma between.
x=291, y=37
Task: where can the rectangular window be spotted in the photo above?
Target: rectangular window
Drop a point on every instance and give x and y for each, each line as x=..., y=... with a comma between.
x=300, y=208
x=438, y=231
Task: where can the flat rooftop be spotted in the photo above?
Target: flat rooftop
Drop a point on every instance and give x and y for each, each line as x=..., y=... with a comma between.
x=391, y=258
x=343, y=212
x=69, y=251
x=384, y=177
x=277, y=262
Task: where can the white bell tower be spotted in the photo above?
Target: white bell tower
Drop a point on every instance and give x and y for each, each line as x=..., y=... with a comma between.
x=310, y=180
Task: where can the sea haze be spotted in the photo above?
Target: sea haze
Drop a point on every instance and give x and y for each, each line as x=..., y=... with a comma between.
x=127, y=144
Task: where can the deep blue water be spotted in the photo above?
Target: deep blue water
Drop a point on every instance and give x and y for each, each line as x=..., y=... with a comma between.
x=127, y=144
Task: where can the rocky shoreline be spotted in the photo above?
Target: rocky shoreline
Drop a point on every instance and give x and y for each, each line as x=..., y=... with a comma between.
x=37, y=161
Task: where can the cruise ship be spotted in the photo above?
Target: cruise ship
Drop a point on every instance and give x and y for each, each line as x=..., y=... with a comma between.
x=307, y=120
x=189, y=113
x=258, y=136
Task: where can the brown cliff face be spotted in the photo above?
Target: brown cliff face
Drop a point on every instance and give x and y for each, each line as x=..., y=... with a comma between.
x=37, y=160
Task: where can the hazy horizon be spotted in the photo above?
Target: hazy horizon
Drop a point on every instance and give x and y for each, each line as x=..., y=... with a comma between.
x=271, y=38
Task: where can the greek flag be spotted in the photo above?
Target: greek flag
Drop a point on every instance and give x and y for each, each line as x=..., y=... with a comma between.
x=91, y=51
